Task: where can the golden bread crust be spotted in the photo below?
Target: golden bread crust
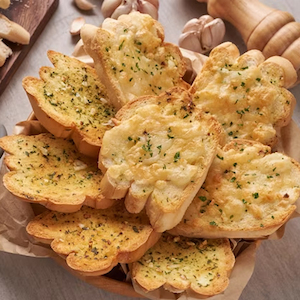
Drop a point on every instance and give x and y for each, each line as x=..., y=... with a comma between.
x=71, y=102
x=132, y=58
x=245, y=93
x=180, y=263
x=249, y=192
x=50, y=171
x=94, y=241
x=158, y=155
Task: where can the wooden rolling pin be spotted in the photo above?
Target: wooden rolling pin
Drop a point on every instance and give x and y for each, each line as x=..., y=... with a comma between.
x=272, y=31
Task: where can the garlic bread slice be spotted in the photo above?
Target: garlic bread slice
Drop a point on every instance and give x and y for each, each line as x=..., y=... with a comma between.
x=180, y=263
x=158, y=154
x=94, y=241
x=249, y=192
x=71, y=102
x=50, y=171
x=131, y=57
x=246, y=93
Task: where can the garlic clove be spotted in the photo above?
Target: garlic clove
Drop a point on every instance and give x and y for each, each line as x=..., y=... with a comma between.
x=191, y=25
x=84, y=4
x=190, y=40
x=145, y=7
x=155, y=3
x=212, y=34
x=109, y=6
x=76, y=25
x=126, y=7
x=115, y=8
x=79, y=49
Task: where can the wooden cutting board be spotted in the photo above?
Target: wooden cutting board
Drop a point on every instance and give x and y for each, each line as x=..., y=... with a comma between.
x=33, y=15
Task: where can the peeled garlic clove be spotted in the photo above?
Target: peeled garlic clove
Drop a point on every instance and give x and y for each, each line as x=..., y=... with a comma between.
x=84, y=4
x=212, y=34
x=76, y=25
x=190, y=40
x=109, y=6
x=145, y=7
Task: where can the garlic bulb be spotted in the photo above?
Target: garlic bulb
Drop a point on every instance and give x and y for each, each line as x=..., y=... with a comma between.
x=203, y=34
x=115, y=8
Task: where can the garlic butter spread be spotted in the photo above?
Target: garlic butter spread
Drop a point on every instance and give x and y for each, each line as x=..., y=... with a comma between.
x=181, y=263
x=247, y=187
x=71, y=94
x=158, y=149
x=140, y=62
x=245, y=96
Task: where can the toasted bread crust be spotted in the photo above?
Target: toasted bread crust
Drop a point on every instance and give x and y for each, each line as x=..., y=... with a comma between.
x=131, y=57
x=179, y=264
x=245, y=93
x=71, y=102
x=94, y=241
x=158, y=155
x=50, y=171
x=249, y=192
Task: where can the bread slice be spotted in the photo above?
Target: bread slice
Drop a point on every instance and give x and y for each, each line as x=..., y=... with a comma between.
x=94, y=241
x=158, y=155
x=131, y=57
x=249, y=192
x=71, y=102
x=180, y=263
x=246, y=93
x=50, y=171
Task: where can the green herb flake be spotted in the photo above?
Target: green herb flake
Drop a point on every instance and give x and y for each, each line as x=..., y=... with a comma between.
x=213, y=223
x=176, y=157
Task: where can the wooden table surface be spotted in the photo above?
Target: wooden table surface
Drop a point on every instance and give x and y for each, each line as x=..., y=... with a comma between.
x=277, y=271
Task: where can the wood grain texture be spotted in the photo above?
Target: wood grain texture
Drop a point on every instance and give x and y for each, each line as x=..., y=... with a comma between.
x=33, y=15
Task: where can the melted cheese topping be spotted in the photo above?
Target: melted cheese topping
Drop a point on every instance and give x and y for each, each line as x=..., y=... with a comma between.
x=246, y=187
x=156, y=150
x=244, y=100
x=141, y=63
x=182, y=263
